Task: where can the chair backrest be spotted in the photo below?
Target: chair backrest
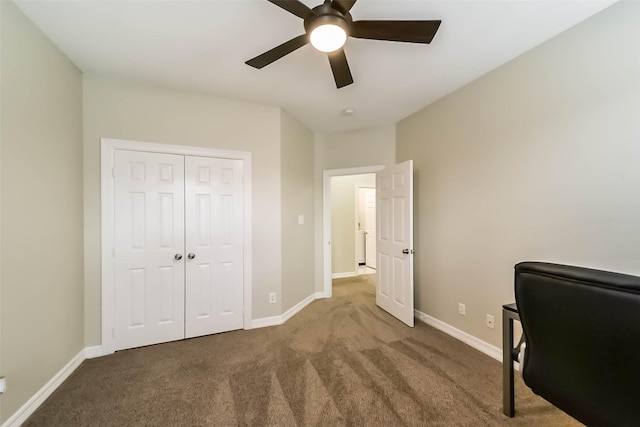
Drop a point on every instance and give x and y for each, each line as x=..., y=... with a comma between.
x=582, y=328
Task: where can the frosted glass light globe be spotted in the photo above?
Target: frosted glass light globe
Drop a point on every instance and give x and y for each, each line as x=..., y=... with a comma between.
x=328, y=37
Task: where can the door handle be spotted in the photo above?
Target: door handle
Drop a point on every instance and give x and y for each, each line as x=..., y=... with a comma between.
x=191, y=255
x=177, y=257
x=407, y=251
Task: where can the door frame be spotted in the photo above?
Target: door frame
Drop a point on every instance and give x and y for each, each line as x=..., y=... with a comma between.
x=326, y=218
x=108, y=147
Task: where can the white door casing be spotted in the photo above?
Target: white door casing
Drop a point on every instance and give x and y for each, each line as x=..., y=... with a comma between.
x=149, y=225
x=214, y=293
x=370, y=227
x=394, y=287
x=109, y=148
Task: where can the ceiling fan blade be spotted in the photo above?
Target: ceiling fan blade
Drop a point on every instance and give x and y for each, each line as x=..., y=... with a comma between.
x=278, y=52
x=340, y=68
x=343, y=5
x=396, y=31
x=293, y=6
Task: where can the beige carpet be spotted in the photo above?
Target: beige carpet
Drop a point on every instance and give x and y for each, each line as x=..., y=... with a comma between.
x=339, y=362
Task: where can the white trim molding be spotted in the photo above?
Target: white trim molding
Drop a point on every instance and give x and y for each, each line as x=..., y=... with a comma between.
x=25, y=411
x=108, y=148
x=265, y=322
x=343, y=275
x=478, y=344
x=279, y=320
x=93, y=352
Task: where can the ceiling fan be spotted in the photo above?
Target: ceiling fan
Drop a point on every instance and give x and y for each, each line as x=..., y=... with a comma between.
x=327, y=27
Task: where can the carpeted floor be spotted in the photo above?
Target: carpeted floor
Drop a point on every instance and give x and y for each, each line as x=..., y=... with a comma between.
x=341, y=361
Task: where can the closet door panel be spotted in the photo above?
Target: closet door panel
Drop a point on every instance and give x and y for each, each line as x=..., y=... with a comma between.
x=214, y=244
x=149, y=232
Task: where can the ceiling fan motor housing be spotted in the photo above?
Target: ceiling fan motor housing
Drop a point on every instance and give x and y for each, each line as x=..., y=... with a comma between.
x=325, y=14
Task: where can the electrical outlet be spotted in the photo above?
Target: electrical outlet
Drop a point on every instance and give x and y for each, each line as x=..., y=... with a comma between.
x=3, y=385
x=462, y=309
x=491, y=324
x=272, y=297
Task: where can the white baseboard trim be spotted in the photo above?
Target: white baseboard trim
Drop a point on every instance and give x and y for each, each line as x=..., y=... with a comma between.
x=279, y=320
x=265, y=322
x=299, y=306
x=322, y=295
x=93, y=352
x=343, y=275
x=21, y=415
x=478, y=344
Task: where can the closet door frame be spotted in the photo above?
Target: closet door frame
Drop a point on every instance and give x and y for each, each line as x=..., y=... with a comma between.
x=108, y=149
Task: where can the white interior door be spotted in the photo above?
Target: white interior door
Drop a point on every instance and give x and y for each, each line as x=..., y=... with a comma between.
x=149, y=232
x=214, y=241
x=394, y=287
x=370, y=227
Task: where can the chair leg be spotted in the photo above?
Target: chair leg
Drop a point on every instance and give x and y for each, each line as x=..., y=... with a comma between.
x=508, y=406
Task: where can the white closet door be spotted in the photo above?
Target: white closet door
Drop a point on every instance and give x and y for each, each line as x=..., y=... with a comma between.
x=149, y=232
x=214, y=242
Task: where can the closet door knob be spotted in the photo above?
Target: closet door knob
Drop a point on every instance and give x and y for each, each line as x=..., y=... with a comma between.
x=178, y=257
x=191, y=255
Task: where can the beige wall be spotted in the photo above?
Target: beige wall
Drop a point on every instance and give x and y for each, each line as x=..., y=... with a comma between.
x=343, y=220
x=297, y=199
x=365, y=147
x=41, y=220
x=121, y=110
x=343, y=150
x=537, y=160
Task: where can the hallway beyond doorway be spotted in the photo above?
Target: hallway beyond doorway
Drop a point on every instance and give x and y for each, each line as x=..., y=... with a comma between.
x=363, y=269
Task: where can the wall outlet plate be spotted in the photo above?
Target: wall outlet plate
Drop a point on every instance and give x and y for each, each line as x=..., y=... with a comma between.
x=462, y=309
x=272, y=297
x=491, y=322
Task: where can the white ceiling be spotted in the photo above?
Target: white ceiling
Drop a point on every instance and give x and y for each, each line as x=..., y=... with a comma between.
x=201, y=46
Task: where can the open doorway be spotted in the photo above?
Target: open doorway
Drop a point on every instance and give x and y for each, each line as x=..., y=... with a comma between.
x=394, y=237
x=366, y=230
x=353, y=225
x=341, y=230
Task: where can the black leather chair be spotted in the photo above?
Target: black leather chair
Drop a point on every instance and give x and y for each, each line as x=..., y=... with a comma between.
x=582, y=332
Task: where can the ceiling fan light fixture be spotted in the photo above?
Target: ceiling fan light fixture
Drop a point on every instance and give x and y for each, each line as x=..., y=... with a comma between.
x=328, y=37
x=327, y=32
